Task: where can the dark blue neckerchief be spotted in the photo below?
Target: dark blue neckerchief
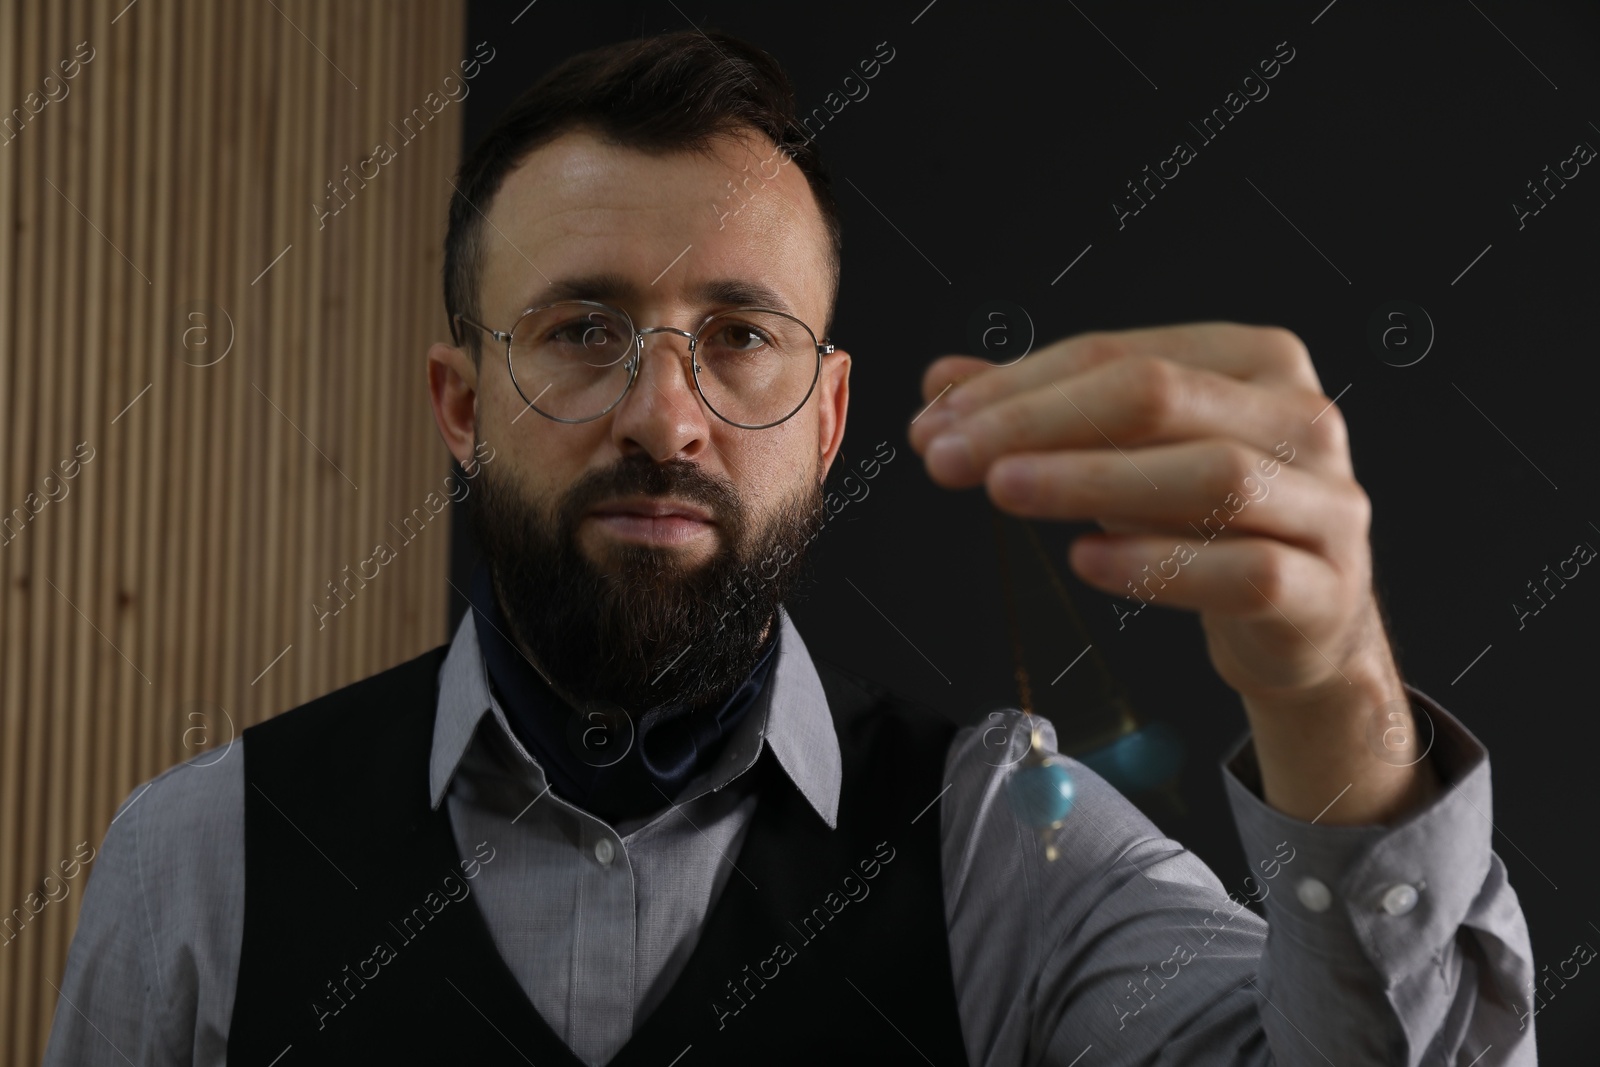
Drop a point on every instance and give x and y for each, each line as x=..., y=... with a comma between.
x=661, y=760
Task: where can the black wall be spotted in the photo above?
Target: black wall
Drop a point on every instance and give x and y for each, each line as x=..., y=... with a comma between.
x=1384, y=162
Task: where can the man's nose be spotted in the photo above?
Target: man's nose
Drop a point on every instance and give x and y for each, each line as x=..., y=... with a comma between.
x=662, y=412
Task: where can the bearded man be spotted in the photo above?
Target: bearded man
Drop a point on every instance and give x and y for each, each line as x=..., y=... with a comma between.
x=625, y=817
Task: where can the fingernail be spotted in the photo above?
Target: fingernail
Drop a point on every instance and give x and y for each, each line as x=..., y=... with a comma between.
x=934, y=422
x=958, y=400
x=1015, y=480
x=952, y=454
x=1092, y=556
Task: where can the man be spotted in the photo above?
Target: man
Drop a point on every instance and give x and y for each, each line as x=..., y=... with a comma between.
x=624, y=817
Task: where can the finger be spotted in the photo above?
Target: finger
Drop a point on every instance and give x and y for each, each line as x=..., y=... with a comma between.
x=1270, y=355
x=949, y=374
x=1141, y=401
x=1247, y=578
x=945, y=373
x=1198, y=490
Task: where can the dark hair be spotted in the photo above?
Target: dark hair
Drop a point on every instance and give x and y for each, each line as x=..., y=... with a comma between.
x=667, y=93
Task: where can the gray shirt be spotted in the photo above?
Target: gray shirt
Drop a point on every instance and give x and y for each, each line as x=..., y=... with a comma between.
x=1400, y=944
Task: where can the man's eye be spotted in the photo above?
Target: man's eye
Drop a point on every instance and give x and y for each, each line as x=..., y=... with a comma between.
x=581, y=332
x=740, y=337
x=569, y=333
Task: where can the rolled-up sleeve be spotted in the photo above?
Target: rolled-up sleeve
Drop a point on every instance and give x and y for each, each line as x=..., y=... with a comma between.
x=1395, y=944
x=1400, y=944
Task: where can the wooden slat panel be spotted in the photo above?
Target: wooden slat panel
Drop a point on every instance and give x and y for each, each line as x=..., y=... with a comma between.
x=186, y=555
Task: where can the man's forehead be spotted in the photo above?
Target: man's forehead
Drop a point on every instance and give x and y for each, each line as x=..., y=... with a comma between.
x=579, y=209
x=615, y=287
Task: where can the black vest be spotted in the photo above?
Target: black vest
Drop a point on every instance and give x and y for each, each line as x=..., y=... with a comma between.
x=356, y=949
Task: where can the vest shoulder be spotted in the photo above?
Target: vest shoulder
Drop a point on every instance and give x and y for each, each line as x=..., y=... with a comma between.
x=352, y=708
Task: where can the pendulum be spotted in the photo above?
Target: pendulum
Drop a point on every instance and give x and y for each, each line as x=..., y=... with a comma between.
x=1040, y=792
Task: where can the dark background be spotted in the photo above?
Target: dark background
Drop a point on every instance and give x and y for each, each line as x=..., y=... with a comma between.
x=985, y=158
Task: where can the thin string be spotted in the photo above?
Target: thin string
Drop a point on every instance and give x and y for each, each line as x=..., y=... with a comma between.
x=1024, y=687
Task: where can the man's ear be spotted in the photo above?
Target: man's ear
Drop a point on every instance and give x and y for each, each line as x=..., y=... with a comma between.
x=833, y=404
x=453, y=389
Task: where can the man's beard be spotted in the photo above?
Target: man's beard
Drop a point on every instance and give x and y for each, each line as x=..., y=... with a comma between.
x=647, y=634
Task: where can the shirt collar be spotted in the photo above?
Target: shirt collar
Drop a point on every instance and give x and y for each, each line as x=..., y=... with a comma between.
x=799, y=727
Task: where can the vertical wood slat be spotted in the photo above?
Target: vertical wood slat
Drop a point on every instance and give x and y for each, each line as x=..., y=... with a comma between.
x=10, y=464
x=186, y=555
x=25, y=453
x=85, y=292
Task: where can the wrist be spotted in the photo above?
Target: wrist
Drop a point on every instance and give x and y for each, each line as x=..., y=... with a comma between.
x=1323, y=752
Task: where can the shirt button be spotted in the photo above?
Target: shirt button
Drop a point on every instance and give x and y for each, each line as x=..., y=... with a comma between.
x=604, y=851
x=1313, y=894
x=1399, y=899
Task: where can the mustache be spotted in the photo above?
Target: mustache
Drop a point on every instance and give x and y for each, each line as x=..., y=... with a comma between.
x=638, y=474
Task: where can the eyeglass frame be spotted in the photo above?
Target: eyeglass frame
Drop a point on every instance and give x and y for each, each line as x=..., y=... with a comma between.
x=823, y=348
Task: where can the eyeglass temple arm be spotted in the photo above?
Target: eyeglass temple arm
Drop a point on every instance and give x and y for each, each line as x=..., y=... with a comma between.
x=458, y=318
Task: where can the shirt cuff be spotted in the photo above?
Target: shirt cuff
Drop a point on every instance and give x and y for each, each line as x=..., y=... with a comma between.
x=1392, y=895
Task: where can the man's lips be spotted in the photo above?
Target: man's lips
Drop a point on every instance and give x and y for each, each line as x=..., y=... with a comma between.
x=664, y=522
x=652, y=509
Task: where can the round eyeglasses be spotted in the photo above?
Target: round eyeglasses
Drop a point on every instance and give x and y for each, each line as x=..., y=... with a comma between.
x=574, y=360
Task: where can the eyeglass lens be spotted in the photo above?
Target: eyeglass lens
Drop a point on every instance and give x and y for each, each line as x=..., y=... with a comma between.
x=571, y=361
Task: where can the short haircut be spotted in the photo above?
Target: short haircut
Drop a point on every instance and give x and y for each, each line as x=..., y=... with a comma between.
x=673, y=92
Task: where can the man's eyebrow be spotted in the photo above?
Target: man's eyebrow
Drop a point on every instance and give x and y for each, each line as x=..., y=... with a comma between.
x=605, y=286
x=613, y=287
x=734, y=292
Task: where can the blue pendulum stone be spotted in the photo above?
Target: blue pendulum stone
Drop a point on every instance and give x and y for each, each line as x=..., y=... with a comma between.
x=1040, y=793
x=1144, y=759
